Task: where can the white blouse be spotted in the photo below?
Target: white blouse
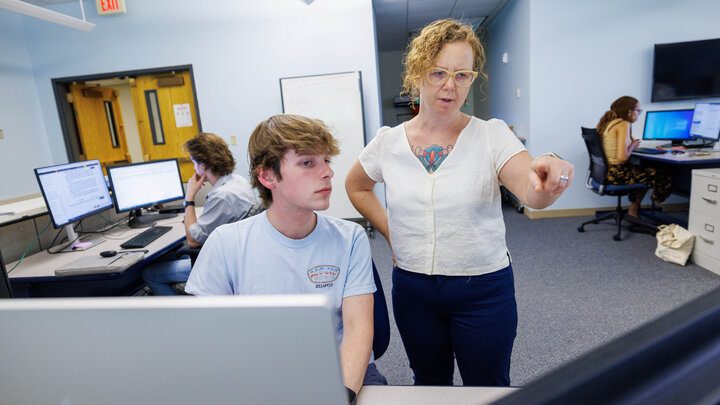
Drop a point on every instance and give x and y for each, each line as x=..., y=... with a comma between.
x=449, y=222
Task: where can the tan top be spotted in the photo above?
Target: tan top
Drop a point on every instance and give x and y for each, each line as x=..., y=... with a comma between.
x=616, y=133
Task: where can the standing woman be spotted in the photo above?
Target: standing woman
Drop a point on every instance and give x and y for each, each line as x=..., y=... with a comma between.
x=453, y=291
x=615, y=129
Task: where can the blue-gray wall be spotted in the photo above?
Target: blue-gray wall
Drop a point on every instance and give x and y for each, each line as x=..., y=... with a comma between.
x=577, y=57
x=24, y=144
x=569, y=59
x=509, y=33
x=238, y=49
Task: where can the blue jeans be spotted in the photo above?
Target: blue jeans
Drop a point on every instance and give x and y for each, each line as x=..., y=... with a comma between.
x=373, y=376
x=159, y=275
x=472, y=318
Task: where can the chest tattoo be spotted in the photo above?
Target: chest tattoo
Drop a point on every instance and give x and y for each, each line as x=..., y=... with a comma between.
x=431, y=156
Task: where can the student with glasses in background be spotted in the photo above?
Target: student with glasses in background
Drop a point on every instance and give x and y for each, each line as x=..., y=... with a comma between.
x=453, y=290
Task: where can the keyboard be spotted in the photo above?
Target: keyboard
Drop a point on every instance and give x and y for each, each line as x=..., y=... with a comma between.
x=143, y=239
x=649, y=151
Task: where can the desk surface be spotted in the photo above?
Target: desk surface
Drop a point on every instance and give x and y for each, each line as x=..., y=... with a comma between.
x=19, y=210
x=690, y=157
x=421, y=395
x=42, y=265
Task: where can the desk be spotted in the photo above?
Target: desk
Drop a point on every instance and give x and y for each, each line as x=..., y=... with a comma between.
x=421, y=395
x=16, y=211
x=35, y=276
x=680, y=165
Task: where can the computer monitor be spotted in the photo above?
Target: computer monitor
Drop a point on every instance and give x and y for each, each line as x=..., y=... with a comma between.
x=170, y=350
x=5, y=288
x=74, y=191
x=668, y=125
x=140, y=185
x=674, y=359
x=706, y=121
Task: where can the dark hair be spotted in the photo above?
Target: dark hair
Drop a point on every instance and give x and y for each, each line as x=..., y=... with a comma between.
x=620, y=108
x=273, y=137
x=212, y=151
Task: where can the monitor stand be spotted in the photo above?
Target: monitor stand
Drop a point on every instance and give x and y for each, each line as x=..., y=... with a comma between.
x=674, y=144
x=694, y=144
x=139, y=220
x=80, y=243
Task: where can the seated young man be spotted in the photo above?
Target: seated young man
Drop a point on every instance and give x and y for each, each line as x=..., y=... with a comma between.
x=229, y=200
x=281, y=250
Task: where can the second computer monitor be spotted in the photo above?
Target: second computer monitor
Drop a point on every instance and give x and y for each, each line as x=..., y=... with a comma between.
x=706, y=121
x=669, y=125
x=142, y=185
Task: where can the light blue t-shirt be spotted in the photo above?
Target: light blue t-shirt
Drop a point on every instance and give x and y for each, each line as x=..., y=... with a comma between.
x=252, y=257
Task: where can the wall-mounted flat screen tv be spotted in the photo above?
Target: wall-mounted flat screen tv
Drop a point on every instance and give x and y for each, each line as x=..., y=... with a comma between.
x=686, y=70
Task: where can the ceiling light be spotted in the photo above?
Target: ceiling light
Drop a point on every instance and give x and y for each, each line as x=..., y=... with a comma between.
x=48, y=15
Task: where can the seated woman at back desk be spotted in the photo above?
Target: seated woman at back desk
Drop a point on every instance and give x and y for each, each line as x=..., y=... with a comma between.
x=615, y=129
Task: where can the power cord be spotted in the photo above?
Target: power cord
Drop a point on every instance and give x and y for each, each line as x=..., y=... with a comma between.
x=112, y=225
x=30, y=246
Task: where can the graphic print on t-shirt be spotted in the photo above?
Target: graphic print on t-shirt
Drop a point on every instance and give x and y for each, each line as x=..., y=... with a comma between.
x=323, y=276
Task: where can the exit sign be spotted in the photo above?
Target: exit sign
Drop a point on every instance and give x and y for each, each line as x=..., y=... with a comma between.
x=110, y=7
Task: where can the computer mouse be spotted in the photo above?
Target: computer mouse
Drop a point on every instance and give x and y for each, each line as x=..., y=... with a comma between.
x=108, y=253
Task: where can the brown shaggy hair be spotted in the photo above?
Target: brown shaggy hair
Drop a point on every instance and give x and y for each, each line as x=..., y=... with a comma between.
x=212, y=151
x=425, y=48
x=620, y=108
x=273, y=137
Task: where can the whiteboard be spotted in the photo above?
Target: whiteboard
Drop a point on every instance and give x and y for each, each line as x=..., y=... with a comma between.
x=336, y=99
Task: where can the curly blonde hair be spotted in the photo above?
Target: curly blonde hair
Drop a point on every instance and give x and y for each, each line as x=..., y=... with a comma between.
x=425, y=48
x=273, y=137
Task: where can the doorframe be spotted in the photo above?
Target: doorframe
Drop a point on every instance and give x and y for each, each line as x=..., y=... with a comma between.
x=67, y=116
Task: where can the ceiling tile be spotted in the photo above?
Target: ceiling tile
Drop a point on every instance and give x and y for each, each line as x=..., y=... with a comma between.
x=390, y=16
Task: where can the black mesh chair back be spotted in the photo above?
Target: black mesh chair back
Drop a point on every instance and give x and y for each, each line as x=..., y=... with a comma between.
x=598, y=161
x=381, y=319
x=597, y=182
x=5, y=289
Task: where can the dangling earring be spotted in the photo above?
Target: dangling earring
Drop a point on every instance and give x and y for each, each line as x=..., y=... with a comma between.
x=417, y=100
x=466, y=103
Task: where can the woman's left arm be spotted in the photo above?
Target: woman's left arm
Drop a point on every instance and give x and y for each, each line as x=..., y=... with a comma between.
x=536, y=182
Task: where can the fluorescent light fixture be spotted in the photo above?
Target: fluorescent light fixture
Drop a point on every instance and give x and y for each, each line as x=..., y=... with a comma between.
x=48, y=15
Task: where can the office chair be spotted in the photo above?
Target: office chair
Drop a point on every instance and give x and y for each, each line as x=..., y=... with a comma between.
x=257, y=208
x=6, y=288
x=381, y=338
x=597, y=182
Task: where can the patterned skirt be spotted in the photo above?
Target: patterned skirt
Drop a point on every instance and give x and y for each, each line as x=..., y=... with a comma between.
x=659, y=180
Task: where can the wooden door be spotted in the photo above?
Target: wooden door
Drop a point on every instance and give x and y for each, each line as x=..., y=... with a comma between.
x=166, y=116
x=100, y=124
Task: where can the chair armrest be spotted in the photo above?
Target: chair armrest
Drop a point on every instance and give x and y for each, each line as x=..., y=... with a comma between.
x=187, y=250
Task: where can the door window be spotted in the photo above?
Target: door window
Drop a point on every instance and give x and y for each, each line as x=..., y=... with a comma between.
x=155, y=121
x=110, y=115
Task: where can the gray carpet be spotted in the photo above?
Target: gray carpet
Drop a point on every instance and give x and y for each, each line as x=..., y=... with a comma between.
x=575, y=291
